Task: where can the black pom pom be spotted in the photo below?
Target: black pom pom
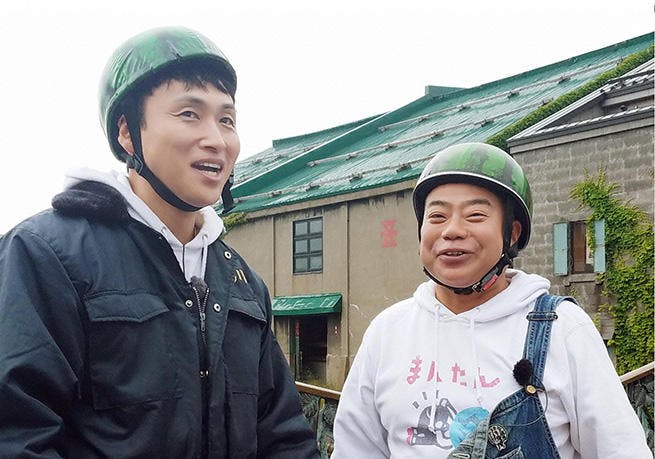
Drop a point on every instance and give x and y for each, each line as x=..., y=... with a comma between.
x=523, y=372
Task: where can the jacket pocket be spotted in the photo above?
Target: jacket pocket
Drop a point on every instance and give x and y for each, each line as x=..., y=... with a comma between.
x=242, y=345
x=130, y=360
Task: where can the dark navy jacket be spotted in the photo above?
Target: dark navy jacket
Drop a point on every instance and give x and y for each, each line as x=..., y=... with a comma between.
x=101, y=348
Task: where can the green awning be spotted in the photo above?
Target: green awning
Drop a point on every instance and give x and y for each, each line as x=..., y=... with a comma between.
x=324, y=303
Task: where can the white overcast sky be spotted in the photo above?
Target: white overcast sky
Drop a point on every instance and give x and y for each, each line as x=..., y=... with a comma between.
x=302, y=65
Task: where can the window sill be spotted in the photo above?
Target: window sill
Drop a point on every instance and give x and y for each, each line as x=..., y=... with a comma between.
x=304, y=273
x=581, y=278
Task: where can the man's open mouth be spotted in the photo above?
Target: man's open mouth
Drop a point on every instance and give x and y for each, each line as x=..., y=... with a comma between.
x=453, y=253
x=209, y=168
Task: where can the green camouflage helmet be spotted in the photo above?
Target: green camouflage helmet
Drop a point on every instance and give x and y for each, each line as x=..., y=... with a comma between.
x=478, y=164
x=141, y=56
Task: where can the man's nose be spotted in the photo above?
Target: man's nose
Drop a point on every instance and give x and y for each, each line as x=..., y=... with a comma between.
x=454, y=228
x=213, y=136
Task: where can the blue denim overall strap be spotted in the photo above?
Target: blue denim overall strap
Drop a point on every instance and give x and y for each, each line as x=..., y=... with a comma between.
x=537, y=339
x=517, y=427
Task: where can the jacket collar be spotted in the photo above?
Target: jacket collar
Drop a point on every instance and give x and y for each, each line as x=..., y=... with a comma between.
x=92, y=200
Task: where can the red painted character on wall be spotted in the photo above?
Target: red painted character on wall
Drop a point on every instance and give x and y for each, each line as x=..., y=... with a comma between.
x=389, y=233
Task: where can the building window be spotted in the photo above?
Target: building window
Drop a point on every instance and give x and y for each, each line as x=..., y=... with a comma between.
x=571, y=251
x=308, y=245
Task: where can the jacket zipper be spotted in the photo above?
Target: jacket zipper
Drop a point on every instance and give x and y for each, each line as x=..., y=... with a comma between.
x=202, y=308
x=197, y=284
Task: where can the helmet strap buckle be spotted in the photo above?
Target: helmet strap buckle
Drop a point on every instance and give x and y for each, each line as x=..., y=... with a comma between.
x=134, y=162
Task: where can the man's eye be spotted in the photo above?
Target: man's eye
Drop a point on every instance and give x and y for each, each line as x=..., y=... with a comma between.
x=476, y=215
x=188, y=114
x=228, y=120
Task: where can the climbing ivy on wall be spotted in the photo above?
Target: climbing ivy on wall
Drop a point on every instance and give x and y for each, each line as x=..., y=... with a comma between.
x=628, y=276
x=630, y=62
x=233, y=220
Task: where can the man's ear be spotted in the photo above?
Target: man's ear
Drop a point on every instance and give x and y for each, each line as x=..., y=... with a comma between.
x=124, y=137
x=516, y=232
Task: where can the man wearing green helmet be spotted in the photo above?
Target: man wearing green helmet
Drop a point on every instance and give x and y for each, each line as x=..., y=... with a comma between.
x=457, y=370
x=127, y=327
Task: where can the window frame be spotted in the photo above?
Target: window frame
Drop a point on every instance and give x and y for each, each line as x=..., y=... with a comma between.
x=311, y=252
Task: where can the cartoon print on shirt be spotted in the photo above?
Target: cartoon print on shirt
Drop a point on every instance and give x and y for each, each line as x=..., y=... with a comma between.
x=439, y=434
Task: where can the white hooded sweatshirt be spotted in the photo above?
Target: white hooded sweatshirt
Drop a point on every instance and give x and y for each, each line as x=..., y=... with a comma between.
x=192, y=256
x=418, y=358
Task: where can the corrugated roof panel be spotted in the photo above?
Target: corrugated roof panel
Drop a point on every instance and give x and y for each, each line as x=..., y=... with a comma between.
x=394, y=147
x=286, y=149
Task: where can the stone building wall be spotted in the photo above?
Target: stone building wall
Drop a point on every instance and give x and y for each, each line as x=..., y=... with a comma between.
x=553, y=168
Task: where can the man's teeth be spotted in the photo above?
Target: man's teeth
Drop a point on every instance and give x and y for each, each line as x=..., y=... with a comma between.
x=454, y=253
x=208, y=167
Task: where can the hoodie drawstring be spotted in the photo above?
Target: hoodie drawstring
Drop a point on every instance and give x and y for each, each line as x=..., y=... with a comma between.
x=433, y=410
x=475, y=380
x=203, y=262
x=474, y=352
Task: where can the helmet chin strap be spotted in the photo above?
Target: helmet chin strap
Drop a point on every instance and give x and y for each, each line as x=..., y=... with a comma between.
x=162, y=190
x=138, y=163
x=484, y=283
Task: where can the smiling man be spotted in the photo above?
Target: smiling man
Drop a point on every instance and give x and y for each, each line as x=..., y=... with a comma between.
x=127, y=327
x=457, y=370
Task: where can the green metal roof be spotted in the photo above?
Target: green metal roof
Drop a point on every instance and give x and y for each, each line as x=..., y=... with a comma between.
x=307, y=304
x=639, y=78
x=285, y=149
x=395, y=146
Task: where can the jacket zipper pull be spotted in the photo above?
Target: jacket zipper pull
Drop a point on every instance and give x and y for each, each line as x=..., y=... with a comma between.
x=202, y=320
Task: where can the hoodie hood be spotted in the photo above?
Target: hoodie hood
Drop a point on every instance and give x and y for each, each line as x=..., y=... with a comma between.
x=525, y=289
x=191, y=256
